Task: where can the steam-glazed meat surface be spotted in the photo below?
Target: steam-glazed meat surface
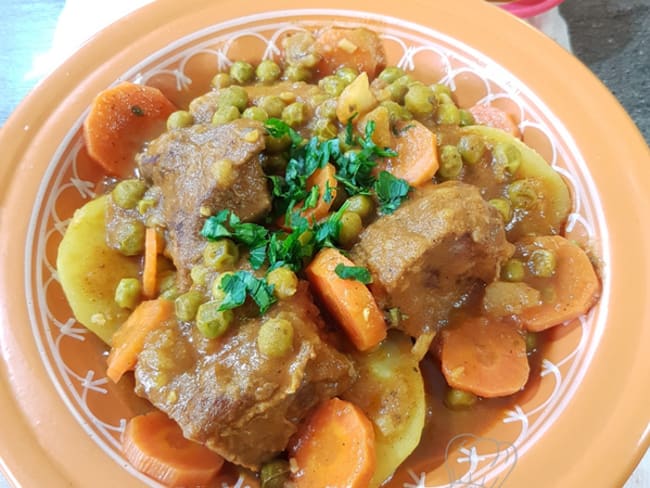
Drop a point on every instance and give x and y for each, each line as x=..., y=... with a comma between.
x=428, y=254
x=227, y=394
x=203, y=169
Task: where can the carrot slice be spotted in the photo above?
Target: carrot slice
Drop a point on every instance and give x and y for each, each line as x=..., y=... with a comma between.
x=485, y=357
x=120, y=121
x=129, y=339
x=496, y=118
x=349, y=301
x=417, y=153
x=334, y=447
x=151, y=249
x=573, y=289
x=360, y=49
x=154, y=445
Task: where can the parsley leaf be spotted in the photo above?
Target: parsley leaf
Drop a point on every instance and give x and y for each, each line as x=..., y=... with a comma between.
x=243, y=283
x=358, y=273
x=214, y=228
x=391, y=192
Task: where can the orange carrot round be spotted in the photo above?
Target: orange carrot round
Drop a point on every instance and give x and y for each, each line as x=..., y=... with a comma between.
x=570, y=292
x=496, y=118
x=334, y=447
x=154, y=445
x=128, y=340
x=324, y=179
x=360, y=49
x=417, y=153
x=484, y=357
x=120, y=121
x=349, y=301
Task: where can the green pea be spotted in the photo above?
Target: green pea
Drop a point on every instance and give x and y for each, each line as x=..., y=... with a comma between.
x=235, y=96
x=532, y=342
x=274, y=164
x=362, y=205
x=347, y=74
x=199, y=274
x=221, y=80
x=272, y=105
x=216, y=290
x=327, y=109
x=419, y=100
x=503, y=206
x=211, y=321
x=451, y=164
x=127, y=193
x=276, y=145
x=351, y=227
x=471, y=148
x=396, y=111
x=284, y=281
x=294, y=115
x=145, y=205
x=242, y=72
x=466, y=117
x=506, y=159
x=179, y=119
x=325, y=129
x=130, y=237
x=513, y=270
x=170, y=294
x=448, y=114
x=221, y=254
x=127, y=292
x=166, y=280
x=255, y=113
x=268, y=71
x=522, y=193
x=397, y=89
x=332, y=85
x=223, y=115
x=275, y=337
x=297, y=72
x=390, y=74
x=275, y=474
x=187, y=304
x=441, y=89
x=459, y=399
x=542, y=263
x=444, y=99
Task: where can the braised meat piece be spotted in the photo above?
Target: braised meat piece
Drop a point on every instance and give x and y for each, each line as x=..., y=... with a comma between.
x=226, y=394
x=429, y=254
x=203, y=169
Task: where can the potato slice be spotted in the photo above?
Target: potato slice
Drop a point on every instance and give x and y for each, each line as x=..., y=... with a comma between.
x=89, y=271
x=556, y=205
x=390, y=391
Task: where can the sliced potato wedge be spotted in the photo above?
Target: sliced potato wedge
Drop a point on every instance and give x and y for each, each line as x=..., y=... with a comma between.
x=89, y=271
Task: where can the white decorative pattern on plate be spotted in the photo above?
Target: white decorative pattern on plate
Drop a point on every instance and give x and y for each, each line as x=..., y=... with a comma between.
x=182, y=71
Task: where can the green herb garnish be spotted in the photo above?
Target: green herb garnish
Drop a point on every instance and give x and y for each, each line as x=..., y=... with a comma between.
x=358, y=273
x=237, y=286
x=391, y=192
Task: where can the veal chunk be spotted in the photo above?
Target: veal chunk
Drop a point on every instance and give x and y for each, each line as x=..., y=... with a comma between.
x=226, y=394
x=191, y=167
x=427, y=255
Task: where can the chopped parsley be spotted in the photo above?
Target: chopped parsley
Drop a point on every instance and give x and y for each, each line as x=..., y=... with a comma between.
x=237, y=286
x=358, y=273
x=391, y=192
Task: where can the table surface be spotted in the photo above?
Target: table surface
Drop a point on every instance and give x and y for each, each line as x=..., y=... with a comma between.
x=612, y=37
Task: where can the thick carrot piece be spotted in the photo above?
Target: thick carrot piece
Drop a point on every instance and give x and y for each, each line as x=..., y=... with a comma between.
x=417, y=153
x=349, y=301
x=154, y=445
x=334, y=447
x=485, y=357
x=360, y=49
x=120, y=121
x=129, y=339
x=149, y=285
x=573, y=289
x=496, y=118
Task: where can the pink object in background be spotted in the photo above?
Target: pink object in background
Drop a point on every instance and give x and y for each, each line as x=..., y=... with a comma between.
x=530, y=8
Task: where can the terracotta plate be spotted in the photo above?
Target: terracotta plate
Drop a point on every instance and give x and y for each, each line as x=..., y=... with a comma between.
x=586, y=424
